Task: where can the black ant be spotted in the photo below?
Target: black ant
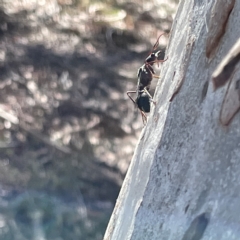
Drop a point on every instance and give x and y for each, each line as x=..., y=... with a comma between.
x=145, y=76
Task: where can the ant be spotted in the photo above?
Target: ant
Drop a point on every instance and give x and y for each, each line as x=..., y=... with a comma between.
x=145, y=76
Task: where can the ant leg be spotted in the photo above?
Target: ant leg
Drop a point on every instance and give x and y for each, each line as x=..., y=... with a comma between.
x=128, y=93
x=151, y=69
x=147, y=92
x=150, y=97
x=144, y=117
x=161, y=61
x=155, y=76
x=154, y=102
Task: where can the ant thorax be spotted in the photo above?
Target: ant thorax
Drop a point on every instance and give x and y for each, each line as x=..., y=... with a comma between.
x=145, y=77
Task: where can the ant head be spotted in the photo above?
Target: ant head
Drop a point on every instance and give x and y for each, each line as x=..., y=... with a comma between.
x=143, y=102
x=152, y=58
x=157, y=54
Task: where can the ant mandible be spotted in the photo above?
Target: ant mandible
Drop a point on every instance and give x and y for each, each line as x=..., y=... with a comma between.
x=145, y=76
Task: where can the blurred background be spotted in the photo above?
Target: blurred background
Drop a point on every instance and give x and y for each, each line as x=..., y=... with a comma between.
x=67, y=128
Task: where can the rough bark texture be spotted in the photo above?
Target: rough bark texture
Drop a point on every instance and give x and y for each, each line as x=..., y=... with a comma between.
x=183, y=181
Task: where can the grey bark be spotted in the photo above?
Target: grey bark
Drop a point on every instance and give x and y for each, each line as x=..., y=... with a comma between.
x=184, y=178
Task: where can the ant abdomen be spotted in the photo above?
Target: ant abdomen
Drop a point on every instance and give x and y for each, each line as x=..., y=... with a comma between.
x=143, y=102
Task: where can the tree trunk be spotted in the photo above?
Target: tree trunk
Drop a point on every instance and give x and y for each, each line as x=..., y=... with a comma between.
x=184, y=178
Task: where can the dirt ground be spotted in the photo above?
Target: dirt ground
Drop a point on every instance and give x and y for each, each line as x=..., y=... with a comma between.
x=67, y=128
